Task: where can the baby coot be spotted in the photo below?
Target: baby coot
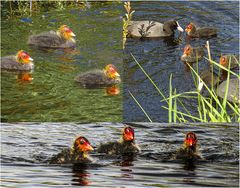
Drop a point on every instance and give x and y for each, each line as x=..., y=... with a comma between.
x=194, y=31
x=152, y=29
x=19, y=62
x=191, y=54
x=77, y=154
x=99, y=78
x=226, y=59
x=126, y=145
x=62, y=38
x=189, y=149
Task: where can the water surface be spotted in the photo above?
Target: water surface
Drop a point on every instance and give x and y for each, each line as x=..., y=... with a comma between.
x=161, y=57
x=25, y=148
x=53, y=95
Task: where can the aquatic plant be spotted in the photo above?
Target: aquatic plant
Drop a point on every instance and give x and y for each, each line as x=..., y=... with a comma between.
x=210, y=108
x=20, y=8
x=126, y=21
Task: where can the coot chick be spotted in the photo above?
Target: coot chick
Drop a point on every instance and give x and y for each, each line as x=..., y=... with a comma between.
x=194, y=31
x=99, y=78
x=77, y=154
x=191, y=54
x=152, y=29
x=19, y=62
x=62, y=38
x=189, y=149
x=125, y=146
x=226, y=59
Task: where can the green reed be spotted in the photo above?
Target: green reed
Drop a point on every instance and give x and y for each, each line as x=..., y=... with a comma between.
x=210, y=109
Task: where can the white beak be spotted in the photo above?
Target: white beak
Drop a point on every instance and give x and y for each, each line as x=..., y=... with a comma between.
x=179, y=28
x=30, y=59
x=200, y=85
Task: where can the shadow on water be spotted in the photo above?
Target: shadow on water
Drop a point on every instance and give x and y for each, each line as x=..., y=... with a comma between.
x=26, y=148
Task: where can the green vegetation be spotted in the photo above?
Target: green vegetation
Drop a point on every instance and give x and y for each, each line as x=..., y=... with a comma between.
x=25, y=8
x=210, y=108
x=126, y=20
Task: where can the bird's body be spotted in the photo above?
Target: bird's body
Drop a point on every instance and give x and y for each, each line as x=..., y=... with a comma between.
x=99, y=78
x=152, y=29
x=200, y=32
x=19, y=62
x=192, y=54
x=63, y=38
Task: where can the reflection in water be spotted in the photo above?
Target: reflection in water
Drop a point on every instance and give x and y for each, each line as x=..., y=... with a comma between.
x=113, y=90
x=80, y=175
x=24, y=76
x=189, y=165
x=127, y=164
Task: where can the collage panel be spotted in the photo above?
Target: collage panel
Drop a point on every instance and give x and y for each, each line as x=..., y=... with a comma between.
x=120, y=94
x=66, y=82
x=164, y=61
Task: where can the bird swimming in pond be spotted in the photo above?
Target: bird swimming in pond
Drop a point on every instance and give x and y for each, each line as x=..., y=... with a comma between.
x=189, y=149
x=125, y=146
x=196, y=32
x=152, y=29
x=62, y=38
x=99, y=78
x=19, y=62
x=192, y=54
x=77, y=154
x=226, y=59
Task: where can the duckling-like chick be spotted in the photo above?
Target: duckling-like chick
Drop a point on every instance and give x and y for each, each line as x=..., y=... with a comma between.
x=191, y=54
x=99, y=78
x=19, y=62
x=77, y=154
x=226, y=59
x=62, y=38
x=125, y=146
x=152, y=29
x=197, y=32
x=189, y=149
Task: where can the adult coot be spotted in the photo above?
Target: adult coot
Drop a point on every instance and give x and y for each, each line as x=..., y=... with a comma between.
x=152, y=29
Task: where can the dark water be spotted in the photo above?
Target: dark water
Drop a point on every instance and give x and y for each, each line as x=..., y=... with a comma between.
x=161, y=58
x=53, y=95
x=26, y=146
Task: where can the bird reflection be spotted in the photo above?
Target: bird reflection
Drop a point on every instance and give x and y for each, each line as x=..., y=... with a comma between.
x=126, y=166
x=189, y=165
x=113, y=90
x=24, y=77
x=80, y=175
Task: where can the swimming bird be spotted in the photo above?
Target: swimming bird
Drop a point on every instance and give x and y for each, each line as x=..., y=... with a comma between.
x=189, y=149
x=77, y=154
x=194, y=31
x=62, y=38
x=126, y=145
x=152, y=29
x=19, y=62
x=99, y=78
x=192, y=54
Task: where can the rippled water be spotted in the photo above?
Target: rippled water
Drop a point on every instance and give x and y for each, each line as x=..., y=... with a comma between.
x=26, y=146
x=53, y=95
x=161, y=57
